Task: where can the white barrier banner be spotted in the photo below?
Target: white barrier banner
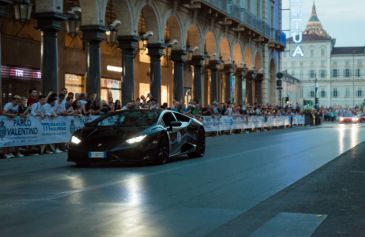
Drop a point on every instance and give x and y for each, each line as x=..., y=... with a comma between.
x=35, y=131
x=226, y=123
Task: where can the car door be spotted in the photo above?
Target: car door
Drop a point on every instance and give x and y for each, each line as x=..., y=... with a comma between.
x=167, y=118
x=183, y=129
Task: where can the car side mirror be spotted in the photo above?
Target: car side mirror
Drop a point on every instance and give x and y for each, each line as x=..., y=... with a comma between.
x=174, y=124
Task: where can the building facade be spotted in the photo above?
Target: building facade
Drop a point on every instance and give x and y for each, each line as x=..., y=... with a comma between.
x=337, y=72
x=176, y=50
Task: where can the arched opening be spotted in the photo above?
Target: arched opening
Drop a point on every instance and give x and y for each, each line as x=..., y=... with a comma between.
x=248, y=58
x=193, y=42
x=238, y=85
x=210, y=46
x=148, y=29
x=111, y=83
x=226, y=76
x=210, y=49
x=258, y=81
x=171, y=84
x=249, y=100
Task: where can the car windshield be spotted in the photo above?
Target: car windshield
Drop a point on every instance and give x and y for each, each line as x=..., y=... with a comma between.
x=133, y=118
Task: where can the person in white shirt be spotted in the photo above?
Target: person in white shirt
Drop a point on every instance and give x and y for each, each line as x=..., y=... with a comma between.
x=11, y=109
x=60, y=105
x=48, y=109
x=36, y=109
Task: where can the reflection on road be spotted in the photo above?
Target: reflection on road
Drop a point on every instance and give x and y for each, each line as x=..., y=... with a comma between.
x=348, y=134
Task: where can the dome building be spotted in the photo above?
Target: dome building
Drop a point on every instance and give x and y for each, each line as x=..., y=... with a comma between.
x=338, y=72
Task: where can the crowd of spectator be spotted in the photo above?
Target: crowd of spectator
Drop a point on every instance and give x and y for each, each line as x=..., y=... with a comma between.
x=68, y=103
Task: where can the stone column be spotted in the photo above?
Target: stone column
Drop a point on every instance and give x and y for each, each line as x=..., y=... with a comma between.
x=258, y=92
x=177, y=56
x=155, y=51
x=249, y=88
x=266, y=77
x=239, y=99
x=93, y=34
x=228, y=69
x=50, y=23
x=128, y=45
x=214, y=66
x=3, y=12
x=206, y=72
x=197, y=61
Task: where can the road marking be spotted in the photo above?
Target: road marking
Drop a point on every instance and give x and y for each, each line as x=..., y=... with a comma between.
x=290, y=225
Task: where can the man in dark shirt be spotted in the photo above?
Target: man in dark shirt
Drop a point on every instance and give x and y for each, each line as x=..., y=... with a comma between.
x=33, y=97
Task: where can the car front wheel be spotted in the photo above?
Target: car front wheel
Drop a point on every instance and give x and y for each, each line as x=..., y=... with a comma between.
x=200, y=145
x=163, y=150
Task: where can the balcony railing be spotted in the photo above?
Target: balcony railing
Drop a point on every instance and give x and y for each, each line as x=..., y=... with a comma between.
x=241, y=15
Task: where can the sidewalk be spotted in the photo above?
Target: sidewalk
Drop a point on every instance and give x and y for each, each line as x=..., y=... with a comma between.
x=334, y=194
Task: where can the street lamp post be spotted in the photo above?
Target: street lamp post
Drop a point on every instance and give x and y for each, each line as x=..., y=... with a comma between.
x=279, y=86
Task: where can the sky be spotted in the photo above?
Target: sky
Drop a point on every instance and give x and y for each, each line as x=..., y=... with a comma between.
x=343, y=20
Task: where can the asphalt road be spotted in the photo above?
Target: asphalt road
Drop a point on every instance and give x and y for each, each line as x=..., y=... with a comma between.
x=46, y=196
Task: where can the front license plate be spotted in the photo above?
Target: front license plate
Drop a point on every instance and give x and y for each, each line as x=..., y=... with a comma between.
x=97, y=155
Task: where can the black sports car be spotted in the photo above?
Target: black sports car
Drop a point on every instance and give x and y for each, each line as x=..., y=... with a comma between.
x=136, y=136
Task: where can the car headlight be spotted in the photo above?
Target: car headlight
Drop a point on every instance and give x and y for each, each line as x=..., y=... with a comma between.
x=355, y=119
x=136, y=139
x=341, y=119
x=75, y=140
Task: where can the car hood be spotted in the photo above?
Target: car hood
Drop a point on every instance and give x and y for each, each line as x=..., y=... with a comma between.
x=108, y=137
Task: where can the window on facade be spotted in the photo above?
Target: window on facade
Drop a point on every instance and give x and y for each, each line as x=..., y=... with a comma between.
x=323, y=73
x=347, y=92
x=312, y=94
x=359, y=93
x=258, y=10
x=335, y=72
x=323, y=93
x=272, y=15
x=347, y=72
x=312, y=73
x=358, y=72
x=335, y=93
x=322, y=52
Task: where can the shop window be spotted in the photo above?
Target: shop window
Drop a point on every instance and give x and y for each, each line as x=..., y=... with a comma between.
x=187, y=93
x=144, y=89
x=110, y=88
x=164, y=95
x=74, y=83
